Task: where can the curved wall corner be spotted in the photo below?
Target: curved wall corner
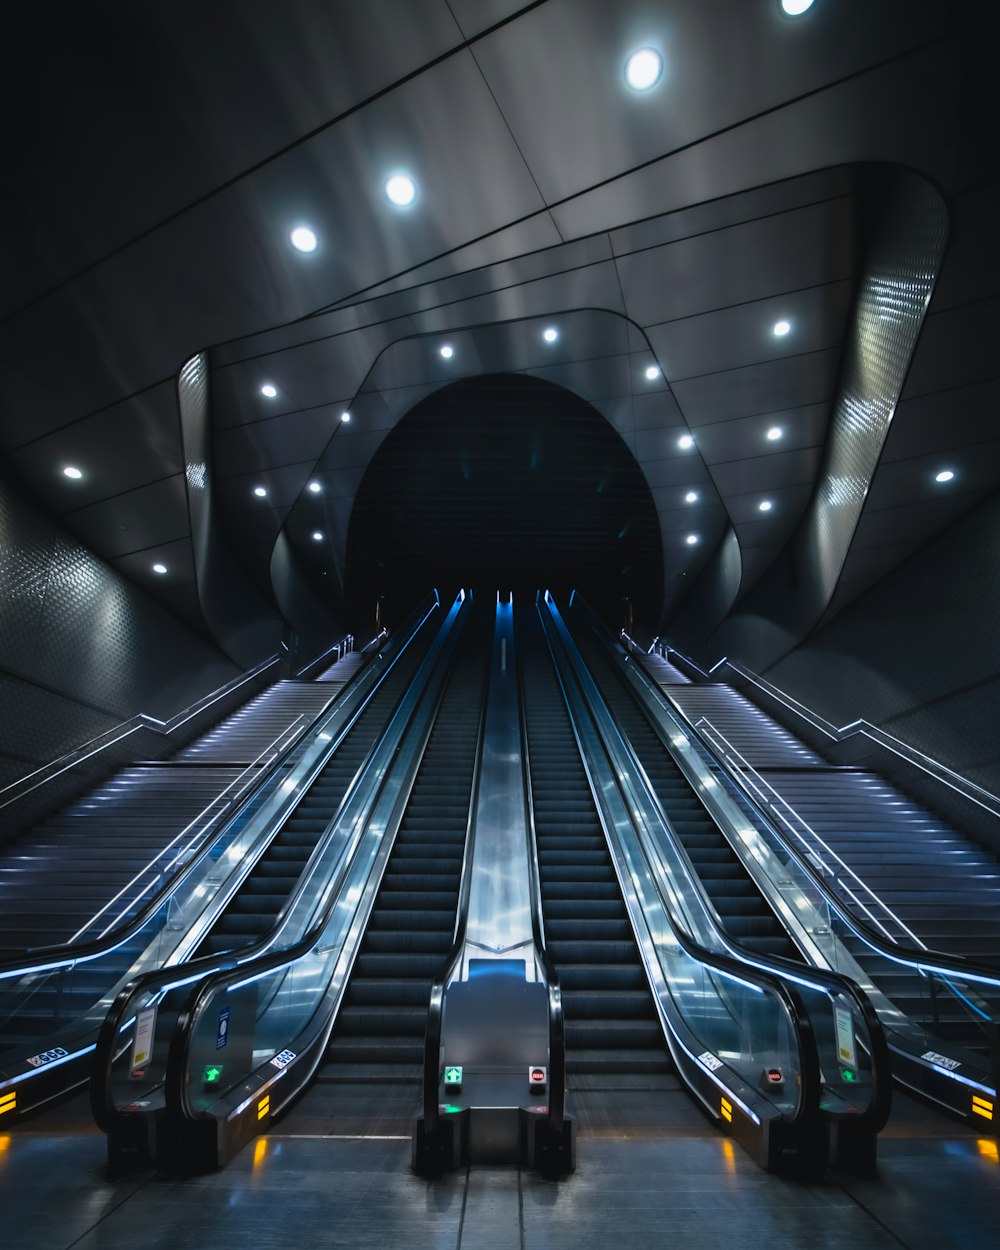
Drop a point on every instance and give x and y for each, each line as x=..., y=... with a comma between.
x=244, y=625
x=901, y=267
x=311, y=627
x=710, y=598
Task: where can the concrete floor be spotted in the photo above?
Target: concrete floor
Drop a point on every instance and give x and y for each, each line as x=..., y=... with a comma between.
x=938, y=1187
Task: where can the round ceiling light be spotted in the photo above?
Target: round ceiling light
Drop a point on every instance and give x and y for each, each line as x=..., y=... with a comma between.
x=691, y=497
x=269, y=390
x=317, y=536
x=774, y=433
x=643, y=69
x=795, y=8
x=685, y=442
x=260, y=491
x=72, y=471
x=159, y=568
x=447, y=351
x=345, y=417
x=691, y=539
x=550, y=335
x=765, y=505
x=781, y=328
x=315, y=487
x=401, y=190
x=652, y=372
x=303, y=239
x=945, y=475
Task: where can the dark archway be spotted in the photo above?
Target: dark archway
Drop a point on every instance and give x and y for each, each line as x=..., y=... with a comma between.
x=505, y=481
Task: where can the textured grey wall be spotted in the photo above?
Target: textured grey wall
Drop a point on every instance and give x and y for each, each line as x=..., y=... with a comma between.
x=81, y=648
x=919, y=653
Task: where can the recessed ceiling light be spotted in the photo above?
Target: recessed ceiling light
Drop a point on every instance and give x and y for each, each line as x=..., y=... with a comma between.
x=691, y=497
x=652, y=373
x=691, y=539
x=774, y=432
x=401, y=189
x=685, y=442
x=72, y=471
x=303, y=239
x=268, y=390
x=345, y=417
x=765, y=505
x=260, y=491
x=643, y=69
x=447, y=351
x=781, y=328
x=159, y=568
x=550, y=335
x=315, y=487
x=795, y=8
x=317, y=536
x=944, y=476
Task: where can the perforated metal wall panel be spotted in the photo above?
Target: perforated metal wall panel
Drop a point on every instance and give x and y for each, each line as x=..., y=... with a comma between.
x=902, y=264
x=81, y=648
x=903, y=260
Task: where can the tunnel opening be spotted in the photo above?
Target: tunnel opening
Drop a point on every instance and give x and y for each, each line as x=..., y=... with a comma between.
x=504, y=482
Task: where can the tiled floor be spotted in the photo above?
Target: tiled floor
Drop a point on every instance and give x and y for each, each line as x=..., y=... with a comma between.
x=938, y=1187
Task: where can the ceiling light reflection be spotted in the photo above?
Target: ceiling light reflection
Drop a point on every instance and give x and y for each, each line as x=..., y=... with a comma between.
x=401, y=190
x=643, y=69
x=303, y=239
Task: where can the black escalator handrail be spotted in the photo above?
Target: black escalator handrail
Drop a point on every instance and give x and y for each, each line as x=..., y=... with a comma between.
x=876, y=1114
x=557, y=1022
x=197, y=970
x=50, y=958
x=807, y=1111
x=258, y=966
x=928, y=960
x=435, y=1007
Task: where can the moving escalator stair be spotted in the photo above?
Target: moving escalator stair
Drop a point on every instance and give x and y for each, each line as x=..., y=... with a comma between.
x=745, y=914
x=379, y=1034
x=613, y=1034
x=253, y=909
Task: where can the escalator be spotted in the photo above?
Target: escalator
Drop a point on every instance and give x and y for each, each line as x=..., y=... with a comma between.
x=379, y=1034
x=363, y=958
x=898, y=901
x=745, y=914
x=613, y=1034
x=252, y=911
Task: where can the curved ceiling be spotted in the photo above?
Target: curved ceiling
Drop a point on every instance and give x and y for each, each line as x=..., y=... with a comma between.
x=505, y=482
x=161, y=154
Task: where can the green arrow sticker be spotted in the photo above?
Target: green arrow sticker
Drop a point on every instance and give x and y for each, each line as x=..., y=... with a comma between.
x=212, y=1073
x=453, y=1076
